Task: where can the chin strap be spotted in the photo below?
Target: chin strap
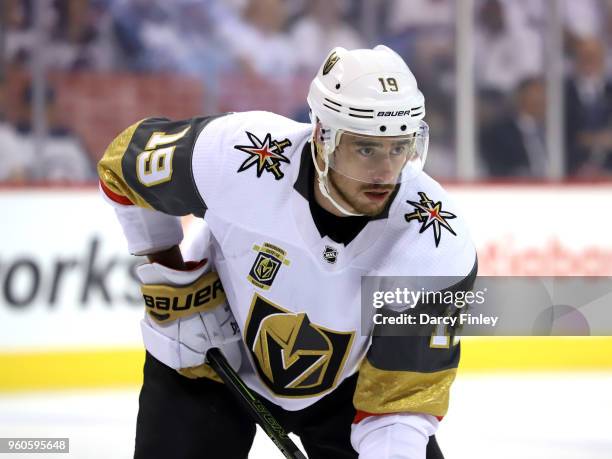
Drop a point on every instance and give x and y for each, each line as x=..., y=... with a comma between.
x=322, y=180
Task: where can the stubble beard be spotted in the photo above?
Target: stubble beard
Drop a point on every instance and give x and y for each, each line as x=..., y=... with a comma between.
x=370, y=209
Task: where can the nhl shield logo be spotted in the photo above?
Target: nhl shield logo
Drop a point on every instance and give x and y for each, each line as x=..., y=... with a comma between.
x=267, y=264
x=330, y=254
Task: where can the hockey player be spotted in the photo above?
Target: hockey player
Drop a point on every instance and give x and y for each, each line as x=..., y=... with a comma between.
x=297, y=214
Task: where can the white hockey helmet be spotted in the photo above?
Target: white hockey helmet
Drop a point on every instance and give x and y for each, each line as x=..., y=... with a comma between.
x=366, y=93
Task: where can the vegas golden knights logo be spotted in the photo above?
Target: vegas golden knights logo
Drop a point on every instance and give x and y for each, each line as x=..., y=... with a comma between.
x=293, y=356
x=330, y=62
x=267, y=263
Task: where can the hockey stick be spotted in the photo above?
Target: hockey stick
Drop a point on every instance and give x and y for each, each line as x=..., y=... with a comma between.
x=253, y=405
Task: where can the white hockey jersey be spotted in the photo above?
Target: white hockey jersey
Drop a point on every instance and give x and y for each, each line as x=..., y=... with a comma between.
x=296, y=294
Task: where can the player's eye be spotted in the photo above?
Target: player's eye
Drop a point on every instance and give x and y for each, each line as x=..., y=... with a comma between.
x=399, y=150
x=365, y=151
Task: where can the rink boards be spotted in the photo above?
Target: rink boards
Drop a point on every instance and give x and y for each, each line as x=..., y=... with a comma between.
x=69, y=306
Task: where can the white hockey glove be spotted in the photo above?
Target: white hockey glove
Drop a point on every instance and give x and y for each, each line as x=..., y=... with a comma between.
x=187, y=314
x=393, y=436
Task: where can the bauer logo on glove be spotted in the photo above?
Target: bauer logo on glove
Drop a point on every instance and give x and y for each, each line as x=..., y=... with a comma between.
x=166, y=303
x=187, y=314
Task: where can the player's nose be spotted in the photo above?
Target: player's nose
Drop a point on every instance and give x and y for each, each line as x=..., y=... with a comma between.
x=384, y=171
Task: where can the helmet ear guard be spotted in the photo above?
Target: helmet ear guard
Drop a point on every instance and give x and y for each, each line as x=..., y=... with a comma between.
x=367, y=92
x=324, y=135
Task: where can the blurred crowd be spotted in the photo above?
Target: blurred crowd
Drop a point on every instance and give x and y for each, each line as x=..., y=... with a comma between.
x=511, y=59
x=280, y=40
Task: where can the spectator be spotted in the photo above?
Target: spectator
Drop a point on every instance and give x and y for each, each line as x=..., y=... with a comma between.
x=425, y=39
x=12, y=167
x=259, y=40
x=138, y=26
x=195, y=46
x=59, y=27
x=507, y=49
x=584, y=19
x=515, y=145
x=97, y=47
x=442, y=161
x=588, y=111
x=320, y=29
x=607, y=36
x=19, y=35
x=528, y=13
x=63, y=158
x=431, y=13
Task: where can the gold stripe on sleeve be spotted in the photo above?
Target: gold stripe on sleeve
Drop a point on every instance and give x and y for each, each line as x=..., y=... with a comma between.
x=111, y=172
x=381, y=391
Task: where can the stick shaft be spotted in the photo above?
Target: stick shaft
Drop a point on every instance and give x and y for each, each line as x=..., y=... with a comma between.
x=253, y=405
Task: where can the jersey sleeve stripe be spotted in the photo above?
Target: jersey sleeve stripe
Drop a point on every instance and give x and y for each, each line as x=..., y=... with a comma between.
x=361, y=415
x=110, y=168
x=114, y=196
x=381, y=391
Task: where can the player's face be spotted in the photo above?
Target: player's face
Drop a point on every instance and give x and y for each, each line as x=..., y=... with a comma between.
x=370, y=168
x=358, y=198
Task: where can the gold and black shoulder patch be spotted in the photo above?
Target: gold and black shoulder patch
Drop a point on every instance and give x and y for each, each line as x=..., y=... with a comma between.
x=157, y=164
x=151, y=165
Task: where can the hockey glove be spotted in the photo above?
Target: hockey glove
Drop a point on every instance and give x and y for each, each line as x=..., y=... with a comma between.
x=187, y=314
